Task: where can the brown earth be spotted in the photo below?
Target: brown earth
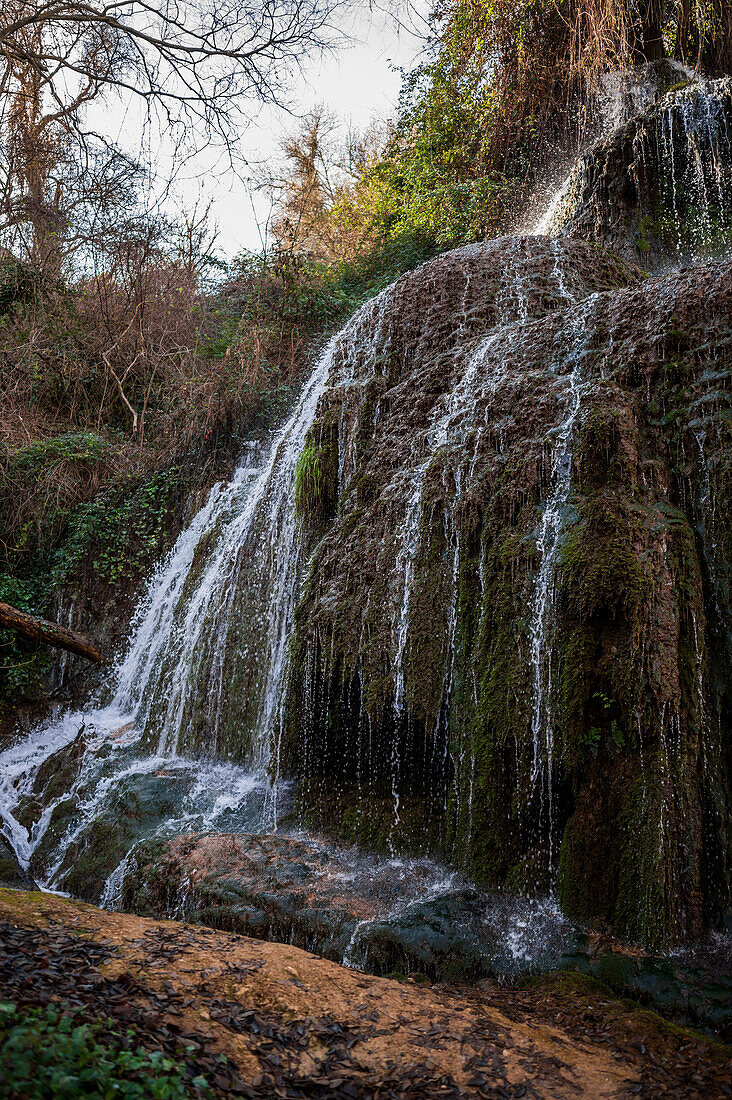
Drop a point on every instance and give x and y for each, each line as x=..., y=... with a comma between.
x=292, y=1024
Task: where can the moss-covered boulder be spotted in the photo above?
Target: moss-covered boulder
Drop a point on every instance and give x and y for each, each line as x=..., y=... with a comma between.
x=95, y=823
x=658, y=190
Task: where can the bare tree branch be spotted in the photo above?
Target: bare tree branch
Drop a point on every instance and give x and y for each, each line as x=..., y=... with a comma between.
x=202, y=60
x=199, y=67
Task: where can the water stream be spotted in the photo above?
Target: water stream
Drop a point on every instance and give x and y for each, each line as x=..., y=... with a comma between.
x=189, y=739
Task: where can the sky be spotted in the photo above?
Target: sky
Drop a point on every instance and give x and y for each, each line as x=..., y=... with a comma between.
x=357, y=83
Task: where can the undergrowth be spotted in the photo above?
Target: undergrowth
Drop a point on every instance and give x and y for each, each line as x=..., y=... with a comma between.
x=48, y=1053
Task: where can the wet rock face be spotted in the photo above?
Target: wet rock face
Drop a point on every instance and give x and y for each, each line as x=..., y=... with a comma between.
x=93, y=820
x=400, y=918
x=11, y=873
x=381, y=916
x=511, y=648
x=271, y=887
x=658, y=190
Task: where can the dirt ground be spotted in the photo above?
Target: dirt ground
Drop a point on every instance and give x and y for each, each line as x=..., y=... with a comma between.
x=291, y=1024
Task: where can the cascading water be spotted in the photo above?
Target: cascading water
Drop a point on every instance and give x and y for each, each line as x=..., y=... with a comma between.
x=657, y=188
x=548, y=543
x=696, y=142
x=434, y=626
x=172, y=674
x=196, y=633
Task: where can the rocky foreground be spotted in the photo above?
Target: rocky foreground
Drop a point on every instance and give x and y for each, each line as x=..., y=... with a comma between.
x=291, y=1024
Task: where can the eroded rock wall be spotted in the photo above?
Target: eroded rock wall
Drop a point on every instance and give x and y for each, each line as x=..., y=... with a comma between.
x=512, y=648
x=658, y=189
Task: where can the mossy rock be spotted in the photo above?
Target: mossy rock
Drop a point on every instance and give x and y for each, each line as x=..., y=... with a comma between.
x=11, y=873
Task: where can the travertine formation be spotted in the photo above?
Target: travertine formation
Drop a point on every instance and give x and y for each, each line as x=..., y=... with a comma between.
x=511, y=647
x=658, y=189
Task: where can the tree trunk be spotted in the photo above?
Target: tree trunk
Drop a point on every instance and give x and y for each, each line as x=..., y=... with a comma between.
x=40, y=630
x=649, y=43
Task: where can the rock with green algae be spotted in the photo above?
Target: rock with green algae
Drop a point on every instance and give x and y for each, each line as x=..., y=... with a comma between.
x=53, y=781
x=416, y=690
x=93, y=823
x=694, y=985
x=271, y=887
x=379, y=917
x=658, y=189
x=283, y=888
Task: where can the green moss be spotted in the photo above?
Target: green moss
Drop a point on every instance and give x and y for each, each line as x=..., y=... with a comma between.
x=491, y=699
x=643, y=228
x=427, y=657
x=364, y=816
x=587, y=871
x=601, y=574
x=316, y=477
x=658, y=863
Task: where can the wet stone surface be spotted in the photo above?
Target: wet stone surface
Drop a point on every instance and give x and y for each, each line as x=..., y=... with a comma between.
x=657, y=190
x=11, y=872
x=385, y=916
x=405, y=917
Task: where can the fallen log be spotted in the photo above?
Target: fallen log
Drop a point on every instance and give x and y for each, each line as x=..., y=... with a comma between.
x=41, y=630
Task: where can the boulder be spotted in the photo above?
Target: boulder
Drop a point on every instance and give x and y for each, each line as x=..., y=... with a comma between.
x=658, y=190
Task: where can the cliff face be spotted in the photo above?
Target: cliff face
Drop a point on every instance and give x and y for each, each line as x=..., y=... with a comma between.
x=658, y=190
x=512, y=647
x=474, y=599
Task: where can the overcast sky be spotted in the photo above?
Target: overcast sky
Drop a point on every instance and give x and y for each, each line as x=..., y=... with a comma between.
x=356, y=82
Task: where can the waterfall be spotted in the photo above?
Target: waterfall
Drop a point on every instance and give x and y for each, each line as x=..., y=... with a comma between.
x=207, y=651
x=548, y=543
x=185, y=623
x=668, y=203
x=696, y=143
x=429, y=665
x=482, y=376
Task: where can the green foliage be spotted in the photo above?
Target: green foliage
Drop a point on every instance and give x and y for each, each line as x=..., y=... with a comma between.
x=49, y=1052
x=433, y=180
x=477, y=122
x=111, y=540
x=361, y=277
x=591, y=739
x=77, y=447
x=40, y=484
x=117, y=534
x=17, y=283
x=22, y=664
x=309, y=481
